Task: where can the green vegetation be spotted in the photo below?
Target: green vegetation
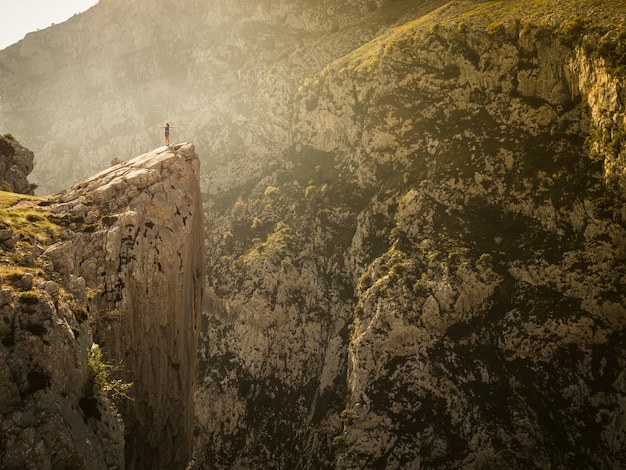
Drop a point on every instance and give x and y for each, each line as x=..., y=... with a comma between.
x=338, y=441
x=496, y=28
x=21, y=214
x=272, y=192
x=486, y=258
x=100, y=376
x=348, y=417
x=573, y=31
x=277, y=242
x=393, y=263
x=612, y=48
x=12, y=274
x=29, y=298
x=602, y=33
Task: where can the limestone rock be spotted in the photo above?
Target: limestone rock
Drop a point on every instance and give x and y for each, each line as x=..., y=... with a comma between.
x=50, y=416
x=117, y=259
x=441, y=190
x=16, y=163
x=142, y=259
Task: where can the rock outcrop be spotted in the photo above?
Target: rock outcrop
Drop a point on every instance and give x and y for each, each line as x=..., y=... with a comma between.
x=117, y=260
x=16, y=163
x=448, y=232
x=54, y=410
x=140, y=246
x=50, y=417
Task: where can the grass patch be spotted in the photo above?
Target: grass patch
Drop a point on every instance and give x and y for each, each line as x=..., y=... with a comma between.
x=24, y=216
x=29, y=298
x=12, y=273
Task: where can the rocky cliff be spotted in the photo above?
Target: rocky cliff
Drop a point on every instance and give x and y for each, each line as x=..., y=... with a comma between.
x=414, y=218
x=433, y=275
x=123, y=266
x=224, y=72
x=52, y=412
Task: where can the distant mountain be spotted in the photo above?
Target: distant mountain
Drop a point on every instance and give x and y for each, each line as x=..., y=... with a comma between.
x=98, y=86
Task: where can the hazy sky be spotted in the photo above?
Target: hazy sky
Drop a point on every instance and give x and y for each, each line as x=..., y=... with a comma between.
x=23, y=16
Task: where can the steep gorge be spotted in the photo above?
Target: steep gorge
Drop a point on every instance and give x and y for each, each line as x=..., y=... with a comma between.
x=415, y=222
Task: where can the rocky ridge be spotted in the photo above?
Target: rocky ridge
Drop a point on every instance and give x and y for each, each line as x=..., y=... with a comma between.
x=122, y=267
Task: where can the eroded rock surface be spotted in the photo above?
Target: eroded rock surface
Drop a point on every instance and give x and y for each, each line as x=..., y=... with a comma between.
x=139, y=246
x=16, y=163
x=117, y=260
x=448, y=233
x=50, y=416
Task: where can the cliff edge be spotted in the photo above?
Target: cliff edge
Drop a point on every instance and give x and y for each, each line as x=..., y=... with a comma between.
x=139, y=247
x=101, y=288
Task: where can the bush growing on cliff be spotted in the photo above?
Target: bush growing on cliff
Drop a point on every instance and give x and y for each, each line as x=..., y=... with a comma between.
x=29, y=298
x=496, y=29
x=100, y=379
x=612, y=48
x=574, y=30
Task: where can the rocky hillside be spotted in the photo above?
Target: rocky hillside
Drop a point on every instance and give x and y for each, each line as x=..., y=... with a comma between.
x=415, y=223
x=55, y=411
x=224, y=72
x=433, y=275
x=116, y=260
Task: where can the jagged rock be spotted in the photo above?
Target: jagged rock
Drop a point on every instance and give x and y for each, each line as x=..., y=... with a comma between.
x=142, y=257
x=44, y=379
x=16, y=163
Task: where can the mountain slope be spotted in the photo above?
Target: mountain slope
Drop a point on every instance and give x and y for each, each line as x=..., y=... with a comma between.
x=224, y=73
x=447, y=231
x=415, y=219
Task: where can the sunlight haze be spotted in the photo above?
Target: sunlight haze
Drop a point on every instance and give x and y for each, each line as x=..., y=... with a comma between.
x=26, y=16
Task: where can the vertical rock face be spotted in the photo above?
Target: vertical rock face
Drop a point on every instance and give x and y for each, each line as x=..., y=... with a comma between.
x=139, y=248
x=490, y=315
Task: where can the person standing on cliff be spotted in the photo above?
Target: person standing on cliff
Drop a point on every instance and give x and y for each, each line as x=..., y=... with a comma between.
x=167, y=128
